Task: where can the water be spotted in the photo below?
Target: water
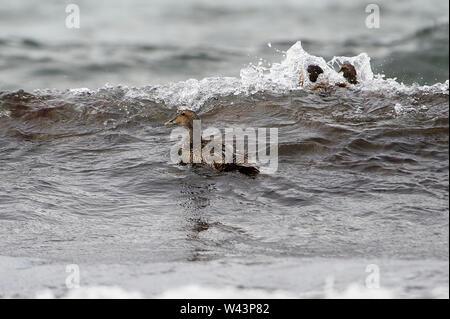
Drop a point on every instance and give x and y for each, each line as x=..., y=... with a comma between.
x=85, y=172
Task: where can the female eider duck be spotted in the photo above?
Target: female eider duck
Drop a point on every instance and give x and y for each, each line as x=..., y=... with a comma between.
x=186, y=119
x=349, y=73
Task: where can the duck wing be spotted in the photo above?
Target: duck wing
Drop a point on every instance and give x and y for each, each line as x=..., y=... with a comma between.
x=219, y=162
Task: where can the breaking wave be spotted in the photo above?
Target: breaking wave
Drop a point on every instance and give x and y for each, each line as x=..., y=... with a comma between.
x=263, y=81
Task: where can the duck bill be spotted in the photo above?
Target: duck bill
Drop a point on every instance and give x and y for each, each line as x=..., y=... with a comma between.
x=168, y=123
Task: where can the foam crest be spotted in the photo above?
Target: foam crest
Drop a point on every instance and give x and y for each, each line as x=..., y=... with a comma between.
x=278, y=78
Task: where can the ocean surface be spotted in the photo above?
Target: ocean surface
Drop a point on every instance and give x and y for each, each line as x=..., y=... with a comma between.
x=362, y=186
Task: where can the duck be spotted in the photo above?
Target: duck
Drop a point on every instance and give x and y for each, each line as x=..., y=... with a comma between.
x=185, y=118
x=348, y=70
x=349, y=73
x=314, y=71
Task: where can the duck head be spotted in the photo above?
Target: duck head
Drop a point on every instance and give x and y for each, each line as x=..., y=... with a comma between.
x=314, y=72
x=184, y=118
x=349, y=73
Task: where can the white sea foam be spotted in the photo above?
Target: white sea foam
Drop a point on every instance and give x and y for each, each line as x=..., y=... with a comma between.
x=357, y=291
x=30, y=277
x=278, y=78
x=93, y=292
x=402, y=109
x=202, y=292
x=353, y=291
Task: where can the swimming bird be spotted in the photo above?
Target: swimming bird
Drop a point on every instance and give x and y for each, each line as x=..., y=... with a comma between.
x=349, y=73
x=185, y=118
x=314, y=72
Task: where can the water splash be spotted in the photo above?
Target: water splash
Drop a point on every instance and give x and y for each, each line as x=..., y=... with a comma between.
x=278, y=78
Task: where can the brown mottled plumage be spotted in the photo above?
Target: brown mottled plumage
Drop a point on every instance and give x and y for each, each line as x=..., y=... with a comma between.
x=186, y=118
x=314, y=72
x=349, y=73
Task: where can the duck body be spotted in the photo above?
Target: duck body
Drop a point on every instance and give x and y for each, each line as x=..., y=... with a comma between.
x=210, y=153
x=349, y=73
